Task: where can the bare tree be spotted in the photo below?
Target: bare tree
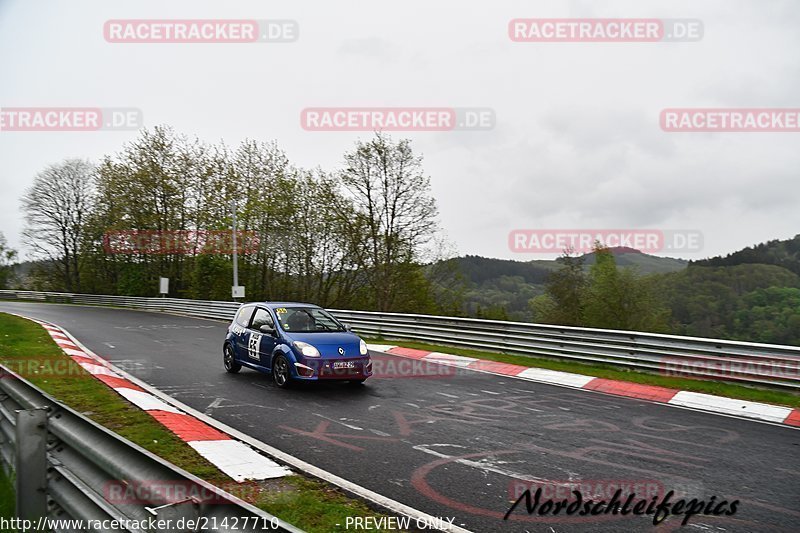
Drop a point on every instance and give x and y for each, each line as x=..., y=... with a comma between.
x=389, y=189
x=56, y=207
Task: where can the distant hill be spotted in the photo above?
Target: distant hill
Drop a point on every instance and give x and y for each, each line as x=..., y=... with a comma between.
x=643, y=263
x=752, y=294
x=782, y=253
x=478, y=269
x=502, y=288
x=749, y=302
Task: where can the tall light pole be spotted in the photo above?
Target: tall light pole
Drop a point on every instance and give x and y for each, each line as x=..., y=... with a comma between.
x=235, y=254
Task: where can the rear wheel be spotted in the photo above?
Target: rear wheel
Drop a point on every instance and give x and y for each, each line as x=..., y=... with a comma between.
x=280, y=372
x=229, y=360
x=356, y=382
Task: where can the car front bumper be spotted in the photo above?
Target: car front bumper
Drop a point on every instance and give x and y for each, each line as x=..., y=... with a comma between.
x=334, y=369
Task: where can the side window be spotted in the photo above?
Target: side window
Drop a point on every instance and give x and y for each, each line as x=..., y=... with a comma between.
x=243, y=316
x=262, y=317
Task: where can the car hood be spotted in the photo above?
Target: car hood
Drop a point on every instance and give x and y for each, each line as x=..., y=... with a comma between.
x=328, y=344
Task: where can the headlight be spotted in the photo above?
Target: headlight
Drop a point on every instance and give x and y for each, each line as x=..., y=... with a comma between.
x=306, y=349
x=363, y=348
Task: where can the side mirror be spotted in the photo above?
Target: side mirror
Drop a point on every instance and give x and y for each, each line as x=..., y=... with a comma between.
x=348, y=327
x=266, y=328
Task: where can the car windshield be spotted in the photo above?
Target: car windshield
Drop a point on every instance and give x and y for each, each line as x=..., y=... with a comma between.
x=307, y=320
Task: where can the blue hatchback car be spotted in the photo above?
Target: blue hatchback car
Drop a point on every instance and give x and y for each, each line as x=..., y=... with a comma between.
x=294, y=341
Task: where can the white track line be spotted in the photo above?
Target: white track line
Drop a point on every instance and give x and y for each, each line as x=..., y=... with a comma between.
x=232, y=457
x=731, y=406
x=703, y=403
x=309, y=469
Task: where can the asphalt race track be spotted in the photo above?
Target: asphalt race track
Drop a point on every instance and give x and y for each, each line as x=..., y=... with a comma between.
x=458, y=443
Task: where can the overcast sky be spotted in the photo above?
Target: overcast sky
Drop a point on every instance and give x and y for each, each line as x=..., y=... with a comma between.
x=577, y=142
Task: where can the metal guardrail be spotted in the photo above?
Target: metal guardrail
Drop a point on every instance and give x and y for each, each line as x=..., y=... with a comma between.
x=760, y=364
x=67, y=468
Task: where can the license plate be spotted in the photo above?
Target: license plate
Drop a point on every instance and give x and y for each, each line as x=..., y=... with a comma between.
x=344, y=364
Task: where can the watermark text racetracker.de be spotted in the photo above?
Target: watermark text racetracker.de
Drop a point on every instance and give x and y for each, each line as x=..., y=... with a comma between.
x=48, y=367
x=179, y=242
x=594, y=488
x=390, y=367
x=70, y=118
x=200, y=31
x=550, y=241
x=144, y=492
x=397, y=118
x=764, y=367
x=604, y=30
x=711, y=120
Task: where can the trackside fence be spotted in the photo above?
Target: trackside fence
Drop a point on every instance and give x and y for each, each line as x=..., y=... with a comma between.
x=68, y=468
x=717, y=359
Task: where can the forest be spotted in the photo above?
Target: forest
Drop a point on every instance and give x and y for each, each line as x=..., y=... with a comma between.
x=356, y=236
x=751, y=295
x=363, y=236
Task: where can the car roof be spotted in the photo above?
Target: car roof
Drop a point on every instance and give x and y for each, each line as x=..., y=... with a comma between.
x=273, y=305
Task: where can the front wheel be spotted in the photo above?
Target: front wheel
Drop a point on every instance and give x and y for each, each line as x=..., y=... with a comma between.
x=356, y=382
x=280, y=372
x=229, y=360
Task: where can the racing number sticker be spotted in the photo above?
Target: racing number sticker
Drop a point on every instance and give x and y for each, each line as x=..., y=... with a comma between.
x=253, y=345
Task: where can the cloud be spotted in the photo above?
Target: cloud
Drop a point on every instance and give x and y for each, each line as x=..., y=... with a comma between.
x=576, y=144
x=370, y=47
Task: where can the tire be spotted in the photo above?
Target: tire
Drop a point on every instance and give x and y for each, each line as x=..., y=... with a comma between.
x=356, y=382
x=281, y=374
x=229, y=361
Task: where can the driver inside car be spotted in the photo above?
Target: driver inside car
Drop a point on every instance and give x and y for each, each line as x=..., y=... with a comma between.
x=301, y=321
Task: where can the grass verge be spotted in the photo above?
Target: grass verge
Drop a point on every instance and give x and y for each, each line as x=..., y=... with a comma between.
x=729, y=390
x=27, y=348
x=7, y=497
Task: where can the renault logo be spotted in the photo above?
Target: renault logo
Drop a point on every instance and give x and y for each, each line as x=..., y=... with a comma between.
x=341, y=350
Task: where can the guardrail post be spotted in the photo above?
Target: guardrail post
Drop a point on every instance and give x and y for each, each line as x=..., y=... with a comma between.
x=31, y=467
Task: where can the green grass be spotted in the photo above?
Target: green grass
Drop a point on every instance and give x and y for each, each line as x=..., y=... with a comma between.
x=729, y=390
x=27, y=348
x=7, y=497
x=303, y=504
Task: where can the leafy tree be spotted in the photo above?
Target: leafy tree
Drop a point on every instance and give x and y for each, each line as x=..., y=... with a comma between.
x=210, y=278
x=566, y=287
x=448, y=284
x=542, y=309
x=494, y=312
x=156, y=183
x=7, y=259
x=608, y=297
x=769, y=315
x=617, y=299
x=717, y=301
x=346, y=239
